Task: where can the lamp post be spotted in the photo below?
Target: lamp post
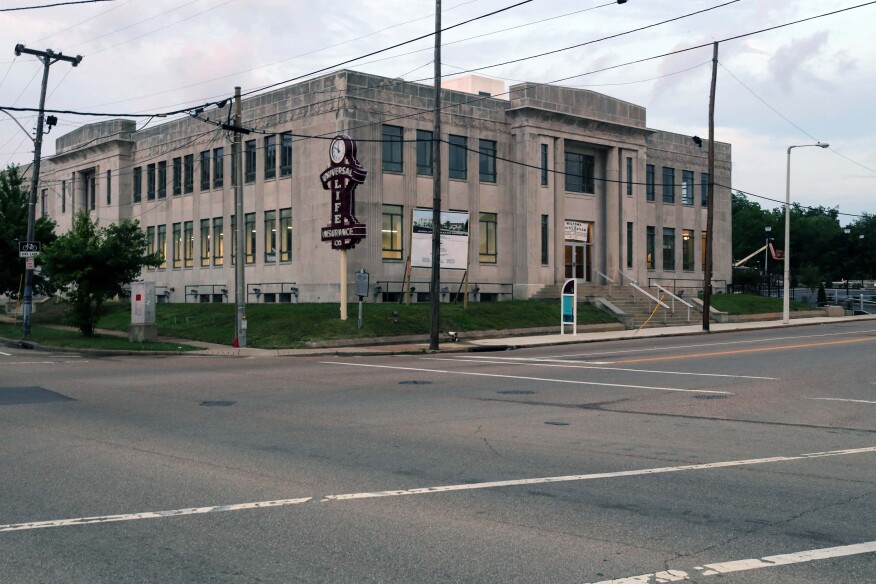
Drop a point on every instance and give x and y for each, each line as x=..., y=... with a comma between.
x=786, y=301
x=848, y=277
x=766, y=259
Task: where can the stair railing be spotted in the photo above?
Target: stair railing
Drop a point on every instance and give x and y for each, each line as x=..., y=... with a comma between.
x=649, y=295
x=622, y=276
x=674, y=298
x=607, y=279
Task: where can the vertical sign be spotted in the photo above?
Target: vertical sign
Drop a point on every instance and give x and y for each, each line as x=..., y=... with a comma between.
x=342, y=177
x=569, y=307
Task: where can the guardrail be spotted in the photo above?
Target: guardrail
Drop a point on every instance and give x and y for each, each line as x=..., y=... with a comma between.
x=649, y=295
x=674, y=298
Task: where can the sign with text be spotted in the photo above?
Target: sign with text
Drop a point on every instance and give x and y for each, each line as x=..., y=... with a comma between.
x=576, y=231
x=342, y=177
x=29, y=249
x=454, y=240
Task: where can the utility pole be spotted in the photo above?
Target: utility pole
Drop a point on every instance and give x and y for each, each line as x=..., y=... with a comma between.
x=434, y=295
x=240, y=325
x=47, y=57
x=710, y=212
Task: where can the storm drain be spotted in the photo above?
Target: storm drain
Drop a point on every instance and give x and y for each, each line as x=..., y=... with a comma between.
x=10, y=396
x=218, y=403
x=517, y=392
x=415, y=382
x=710, y=397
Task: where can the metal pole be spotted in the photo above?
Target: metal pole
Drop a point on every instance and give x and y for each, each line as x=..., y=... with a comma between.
x=239, y=275
x=343, y=284
x=786, y=302
x=434, y=313
x=710, y=212
x=47, y=57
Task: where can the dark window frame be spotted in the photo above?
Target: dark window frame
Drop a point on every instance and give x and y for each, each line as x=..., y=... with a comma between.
x=249, y=158
x=650, y=187
x=544, y=165
x=669, y=249
x=487, y=160
x=189, y=173
x=285, y=154
x=457, y=163
x=205, y=170
x=392, y=156
x=177, y=176
x=270, y=157
x=392, y=234
x=668, y=185
x=580, y=173
x=425, y=147
x=488, y=238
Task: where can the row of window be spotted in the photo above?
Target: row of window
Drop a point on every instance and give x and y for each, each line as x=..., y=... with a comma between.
x=392, y=235
x=668, y=248
x=212, y=240
x=393, y=154
x=687, y=185
x=183, y=168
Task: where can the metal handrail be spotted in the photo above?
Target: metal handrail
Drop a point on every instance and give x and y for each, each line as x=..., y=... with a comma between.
x=674, y=298
x=622, y=275
x=607, y=279
x=649, y=295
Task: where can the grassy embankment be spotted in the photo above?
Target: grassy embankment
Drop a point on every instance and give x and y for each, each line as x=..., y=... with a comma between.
x=753, y=304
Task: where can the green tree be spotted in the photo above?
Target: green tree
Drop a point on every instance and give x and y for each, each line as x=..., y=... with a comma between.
x=93, y=263
x=810, y=276
x=13, y=228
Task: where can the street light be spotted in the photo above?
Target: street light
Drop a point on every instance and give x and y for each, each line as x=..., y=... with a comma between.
x=786, y=303
x=766, y=258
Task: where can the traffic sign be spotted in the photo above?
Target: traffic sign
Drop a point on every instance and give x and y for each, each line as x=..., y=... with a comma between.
x=28, y=249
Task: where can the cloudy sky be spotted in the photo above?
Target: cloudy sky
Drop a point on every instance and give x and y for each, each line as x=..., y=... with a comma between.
x=813, y=81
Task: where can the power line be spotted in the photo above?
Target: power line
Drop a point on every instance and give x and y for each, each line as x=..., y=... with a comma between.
x=747, y=194
x=53, y=5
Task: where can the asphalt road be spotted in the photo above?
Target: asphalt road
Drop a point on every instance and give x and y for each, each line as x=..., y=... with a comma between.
x=730, y=458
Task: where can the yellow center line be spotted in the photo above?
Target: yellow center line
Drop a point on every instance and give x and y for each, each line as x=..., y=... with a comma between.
x=738, y=351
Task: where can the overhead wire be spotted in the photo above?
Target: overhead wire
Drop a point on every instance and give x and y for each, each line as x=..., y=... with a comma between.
x=71, y=2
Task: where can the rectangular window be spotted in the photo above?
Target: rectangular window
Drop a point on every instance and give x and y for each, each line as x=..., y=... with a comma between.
x=649, y=182
x=43, y=197
x=487, y=160
x=285, y=235
x=579, y=173
x=233, y=253
x=91, y=189
x=218, y=167
x=189, y=243
x=270, y=236
x=162, y=179
x=424, y=152
x=687, y=187
x=177, y=245
x=629, y=244
x=150, y=242
x=205, y=242
x=249, y=155
x=687, y=250
x=668, y=185
x=704, y=188
x=487, y=238
x=233, y=164
x=64, y=190
x=177, y=176
x=249, y=233
x=218, y=241
x=392, y=148
x=545, y=241
x=650, y=242
x=188, y=173
x=544, y=165
x=109, y=188
x=150, y=182
x=161, y=247
x=205, y=170
x=286, y=154
x=629, y=177
x=391, y=232
x=703, y=251
x=458, y=162
x=669, y=249
x=270, y=157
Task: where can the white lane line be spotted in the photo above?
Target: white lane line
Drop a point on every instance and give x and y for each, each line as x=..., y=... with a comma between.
x=857, y=401
x=749, y=564
x=427, y=490
x=5, y=354
x=579, y=365
x=572, y=381
x=698, y=345
x=28, y=362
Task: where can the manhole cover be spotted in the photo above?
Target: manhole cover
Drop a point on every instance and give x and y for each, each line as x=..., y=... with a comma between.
x=415, y=382
x=710, y=397
x=218, y=404
x=556, y=423
x=10, y=396
x=517, y=392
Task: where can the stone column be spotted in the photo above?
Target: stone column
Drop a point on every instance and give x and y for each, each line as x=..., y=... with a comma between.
x=611, y=227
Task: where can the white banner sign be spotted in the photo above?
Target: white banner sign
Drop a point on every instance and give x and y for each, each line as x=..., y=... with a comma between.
x=454, y=240
x=576, y=231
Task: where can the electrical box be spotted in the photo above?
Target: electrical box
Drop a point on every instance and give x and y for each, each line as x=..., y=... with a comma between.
x=143, y=303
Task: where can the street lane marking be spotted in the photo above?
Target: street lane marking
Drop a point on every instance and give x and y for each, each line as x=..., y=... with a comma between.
x=572, y=381
x=700, y=345
x=740, y=351
x=6, y=354
x=578, y=365
x=425, y=490
x=857, y=401
x=749, y=564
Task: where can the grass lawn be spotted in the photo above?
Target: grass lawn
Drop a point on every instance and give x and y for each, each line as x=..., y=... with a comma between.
x=73, y=339
x=753, y=304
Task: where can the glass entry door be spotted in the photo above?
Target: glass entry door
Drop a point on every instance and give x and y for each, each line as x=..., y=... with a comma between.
x=578, y=261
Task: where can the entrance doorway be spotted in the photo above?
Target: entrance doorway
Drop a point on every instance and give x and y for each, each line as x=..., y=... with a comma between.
x=579, y=261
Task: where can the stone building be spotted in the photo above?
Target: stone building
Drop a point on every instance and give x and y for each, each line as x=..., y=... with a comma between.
x=557, y=183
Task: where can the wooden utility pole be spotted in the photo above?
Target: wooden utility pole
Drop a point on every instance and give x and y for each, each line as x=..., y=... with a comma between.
x=47, y=57
x=435, y=287
x=710, y=213
x=240, y=324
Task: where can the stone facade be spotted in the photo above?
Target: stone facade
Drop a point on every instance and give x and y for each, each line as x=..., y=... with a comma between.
x=566, y=160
